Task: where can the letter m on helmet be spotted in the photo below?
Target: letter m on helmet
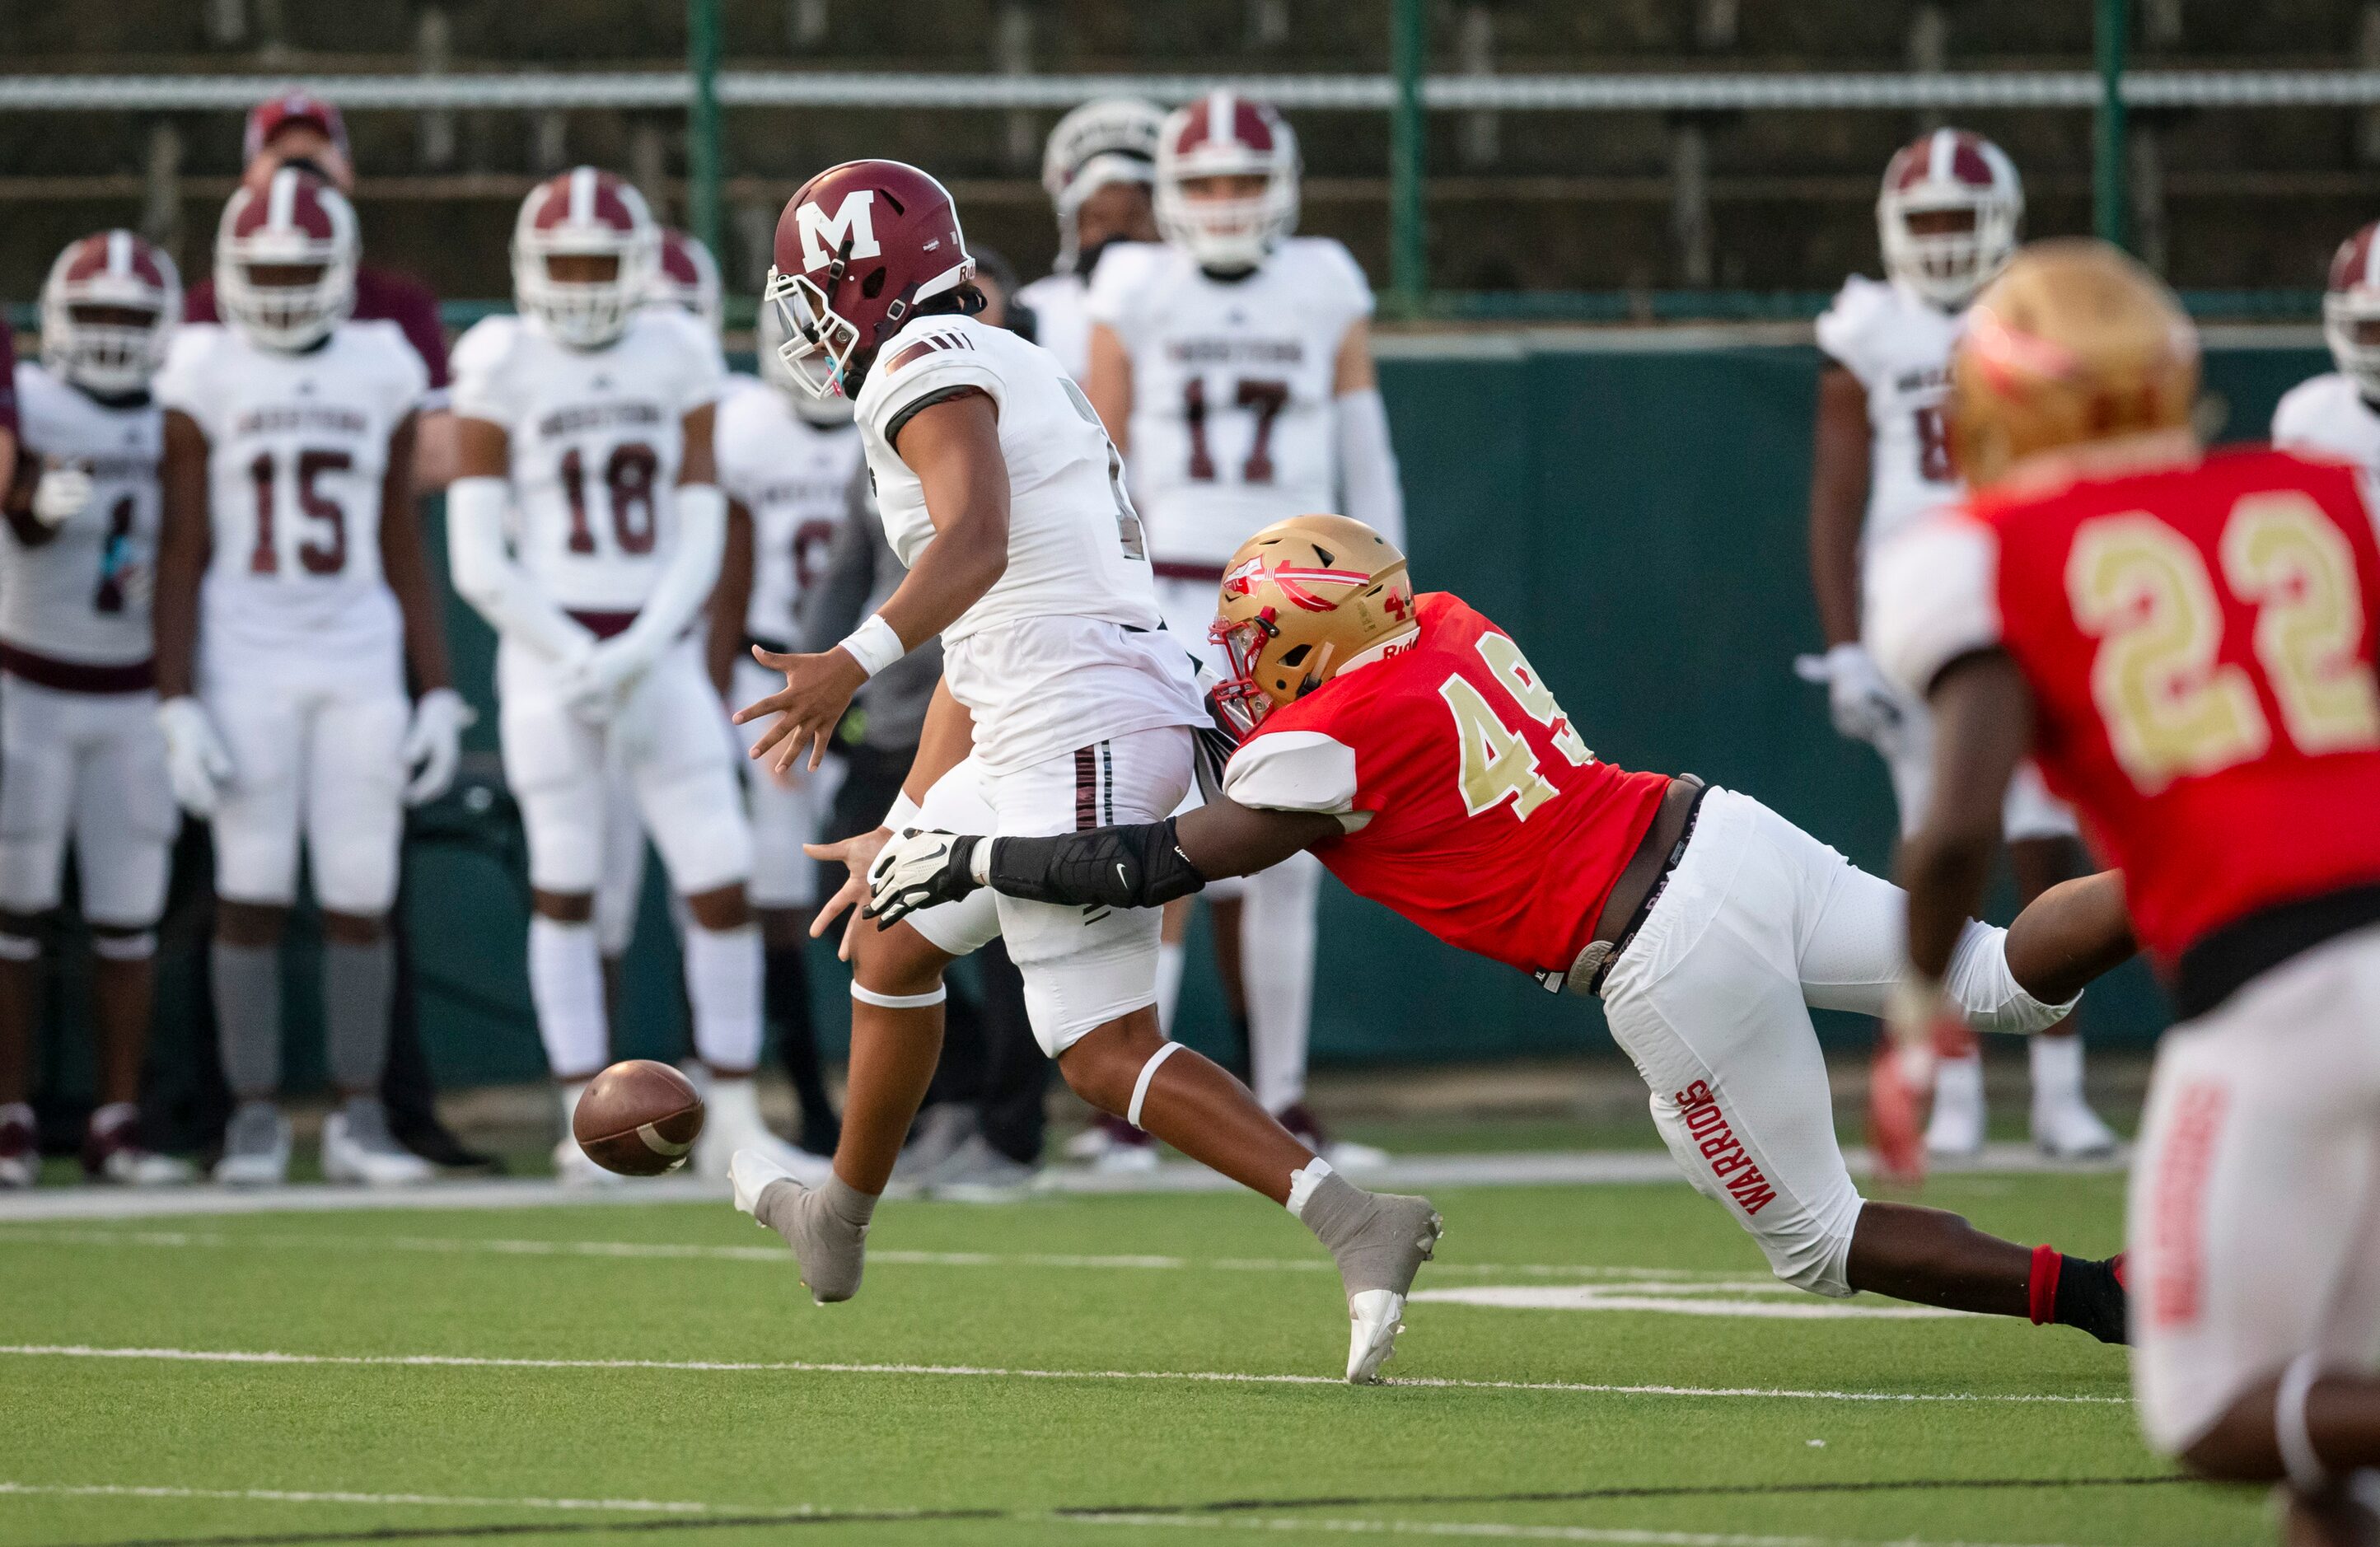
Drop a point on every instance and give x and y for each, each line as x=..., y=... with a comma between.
x=823, y=235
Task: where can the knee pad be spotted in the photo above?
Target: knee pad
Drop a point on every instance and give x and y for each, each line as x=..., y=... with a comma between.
x=1820, y=1264
x=1979, y=980
x=696, y=815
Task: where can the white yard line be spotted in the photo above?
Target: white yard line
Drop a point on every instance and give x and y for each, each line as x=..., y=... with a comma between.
x=1226, y=1377
x=290, y=1495
x=1526, y=1168
x=1495, y=1530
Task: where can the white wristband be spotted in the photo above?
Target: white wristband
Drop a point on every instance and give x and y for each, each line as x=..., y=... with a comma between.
x=873, y=645
x=903, y=815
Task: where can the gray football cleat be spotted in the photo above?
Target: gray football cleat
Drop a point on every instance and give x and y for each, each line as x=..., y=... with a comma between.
x=358, y=1147
x=819, y=1224
x=256, y=1147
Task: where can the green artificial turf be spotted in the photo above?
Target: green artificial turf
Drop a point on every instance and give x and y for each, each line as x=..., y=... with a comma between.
x=1149, y=1287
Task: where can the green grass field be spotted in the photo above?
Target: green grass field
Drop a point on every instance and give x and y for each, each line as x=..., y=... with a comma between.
x=1068, y=1369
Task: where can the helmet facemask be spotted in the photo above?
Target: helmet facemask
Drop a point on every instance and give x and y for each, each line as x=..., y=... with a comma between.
x=819, y=345
x=2350, y=325
x=1929, y=249
x=585, y=311
x=1228, y=231
x=108, y=349
x=1237, y=697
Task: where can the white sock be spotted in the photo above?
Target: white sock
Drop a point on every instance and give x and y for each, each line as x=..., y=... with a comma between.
x=1170, y=955
x=1959, y=1081
x=1303, y=1181
x=1277, y=963
x=2057, y=1069
x=566, y=984
x=733, y=1108
x=569, y=1091
x=722, y=985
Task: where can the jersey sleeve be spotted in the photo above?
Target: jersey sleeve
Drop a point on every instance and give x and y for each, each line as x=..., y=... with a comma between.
x=1848, y=329
x=2296, y=415
x=181, y=384
x=919, y=366
x=407, y=372
x=1294, y=770
x=1117, y=282
x=702, y=378
x=480, y=363
x=733, y=432
x=1932, y=596
x=1347, y=283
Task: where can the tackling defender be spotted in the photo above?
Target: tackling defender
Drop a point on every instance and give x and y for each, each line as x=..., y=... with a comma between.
x=2184, y=639
x=2335, y=413
x=1006, y=498
x=1409, y=744
x=1947, y=219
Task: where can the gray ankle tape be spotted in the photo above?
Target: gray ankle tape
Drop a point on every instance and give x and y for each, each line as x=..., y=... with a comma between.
x=1377, y=1239
x=247, y=983
x=846, y=1202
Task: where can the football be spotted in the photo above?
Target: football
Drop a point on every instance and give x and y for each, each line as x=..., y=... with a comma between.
x=637, y=1117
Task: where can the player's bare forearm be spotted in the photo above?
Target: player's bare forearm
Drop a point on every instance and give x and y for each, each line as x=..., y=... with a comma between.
x=1838, y=479
x=1982, y=712
x=953, y=447
x=405, y=564
x=2069, y=936
x=697, y=463
x=1150, y=864
x=731, y=598
x=943, y=741
x=1106, y=382
x=183, y=541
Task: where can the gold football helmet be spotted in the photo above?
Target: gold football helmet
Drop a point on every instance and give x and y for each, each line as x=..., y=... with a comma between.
x=2073, y=342
x=1299, y=599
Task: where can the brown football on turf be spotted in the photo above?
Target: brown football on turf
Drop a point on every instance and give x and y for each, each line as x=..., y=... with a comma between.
x=639, y=1119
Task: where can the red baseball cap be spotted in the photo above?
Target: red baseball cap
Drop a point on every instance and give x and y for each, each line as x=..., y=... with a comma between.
x=269, y=117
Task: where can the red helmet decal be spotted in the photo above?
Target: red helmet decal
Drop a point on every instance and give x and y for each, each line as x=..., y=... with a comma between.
x=1225, y=119
x=142, y=259
x=291, y=201
x=583, y=196
x=677, y=260
x=90, y=259
x=2352, y=267
x=1967, y=162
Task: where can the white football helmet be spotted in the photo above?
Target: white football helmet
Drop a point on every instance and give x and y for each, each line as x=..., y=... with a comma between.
x=686, y=275
x=584, y=214
x=1221, y=135
x=1111, y=140
x=2350, y=306
x=295, y=221
x=1948, y=172
x=769, y=335
x=113, y=272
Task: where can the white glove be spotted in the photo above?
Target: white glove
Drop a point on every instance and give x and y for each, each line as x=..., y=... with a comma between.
x=61, y=495
x=600, y=683
x=924, y=869
x=433, y=743
x=195, y=761
x=1861, y=701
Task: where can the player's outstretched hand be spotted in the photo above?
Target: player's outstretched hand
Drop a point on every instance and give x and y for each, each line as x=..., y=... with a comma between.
x=1859, y=699
x=64, y=489
x=433, y=743
x=818, y=690
x=197, y=763
x=856, y=855
x=921, y=869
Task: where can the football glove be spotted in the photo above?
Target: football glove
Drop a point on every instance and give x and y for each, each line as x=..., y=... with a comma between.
x=921, y=869
x=195, y=761
x=598, y=685
x=61, y=495
x=433, y=743
x=1861, y=701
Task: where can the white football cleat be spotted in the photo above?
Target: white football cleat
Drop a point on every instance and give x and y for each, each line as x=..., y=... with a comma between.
x=256, y=1147
x=732, y=1123
x=1957, y=1125
x=20, y=1155
x=2071, y=1130
x=1349, y=1154
x=1375, y=1318
x=358, y=1147
x=571, y=1168
x=748, y=1174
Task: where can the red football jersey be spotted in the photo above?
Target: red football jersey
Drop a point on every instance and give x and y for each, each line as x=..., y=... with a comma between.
x=2199, y=639
x=1491, y=823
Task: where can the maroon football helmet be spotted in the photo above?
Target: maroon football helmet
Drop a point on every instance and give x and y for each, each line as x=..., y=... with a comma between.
x=303, y=231
x=108, y=310
x=858, y=249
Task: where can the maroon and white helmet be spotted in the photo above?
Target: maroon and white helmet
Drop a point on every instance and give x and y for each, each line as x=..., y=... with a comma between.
x=1949, y=171
x=108, y=311
x=1224, y=135
x=1111, y=140
x=859, y=249
x=584, y=214
x=2350, y=309
x=686, y=275
x=301, y=233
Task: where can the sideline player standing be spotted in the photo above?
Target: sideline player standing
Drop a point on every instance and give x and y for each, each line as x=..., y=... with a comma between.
x=1947, y=218
x=80, y=756
x=2184, y=639
x=2335, y=413
x=1097, y=168
x=1409, y=743
x=594, y=409
x=791, y=463
x=291, y=592
x=1006, y=498
x=1233, y=366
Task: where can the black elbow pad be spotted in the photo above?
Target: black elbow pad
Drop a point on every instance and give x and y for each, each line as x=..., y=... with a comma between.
x=1139, y=867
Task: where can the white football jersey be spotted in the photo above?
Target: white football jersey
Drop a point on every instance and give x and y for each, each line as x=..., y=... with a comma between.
x=2330, y=414
x=1234, y=416
x=1060, y=324
x=297, y=446
x=597, y=438
x=1899, y=347
x=84, y=596
x=1067, y=648
x=794, y=477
